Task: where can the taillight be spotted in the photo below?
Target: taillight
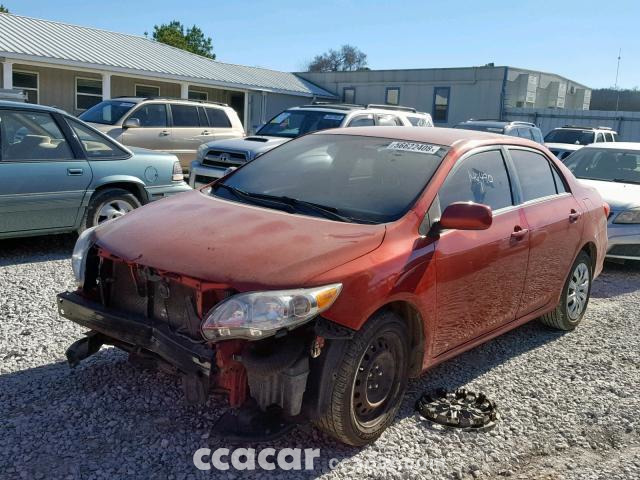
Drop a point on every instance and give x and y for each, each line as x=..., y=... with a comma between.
x=607, y=209
x=178, y=175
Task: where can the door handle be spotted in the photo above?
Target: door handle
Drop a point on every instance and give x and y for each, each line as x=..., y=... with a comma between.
x=206, y=132
x=519, y=233
x=164, y=133
x=574, y=216
x=75, y=171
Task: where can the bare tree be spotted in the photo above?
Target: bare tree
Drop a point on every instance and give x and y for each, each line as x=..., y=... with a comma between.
x=347, y=59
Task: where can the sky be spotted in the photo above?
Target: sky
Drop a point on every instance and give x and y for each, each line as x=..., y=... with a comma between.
x=578, y=39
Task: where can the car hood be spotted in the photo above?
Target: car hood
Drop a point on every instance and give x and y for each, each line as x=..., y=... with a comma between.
x=253, y=143
x=619, y=196
x=245, y=246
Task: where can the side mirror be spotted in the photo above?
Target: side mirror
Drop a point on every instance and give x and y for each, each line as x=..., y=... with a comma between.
x=131, y=122
x=466, y=216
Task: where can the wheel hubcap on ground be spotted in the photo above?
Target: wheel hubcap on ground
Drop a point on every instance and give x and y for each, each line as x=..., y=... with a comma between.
x=376, y=379
x=112, y=209
x=578, y=291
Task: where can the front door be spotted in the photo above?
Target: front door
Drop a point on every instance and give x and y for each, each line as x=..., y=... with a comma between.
x=42, y=184
x=480, y=274
x=555, y=227
x=154, y=132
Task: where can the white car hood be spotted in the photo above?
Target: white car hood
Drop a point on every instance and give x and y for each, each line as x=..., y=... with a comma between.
x=619, y=196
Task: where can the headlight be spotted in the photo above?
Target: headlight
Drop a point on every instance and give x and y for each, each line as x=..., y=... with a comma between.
x=628, y=216
x=258, y=315
x=79, y=256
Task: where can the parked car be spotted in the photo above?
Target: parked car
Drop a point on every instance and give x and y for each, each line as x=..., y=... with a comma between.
x=565, y=140
x=614, y=170
x=57, y=174
x=165, y=124
x=215, y=158
x=284, y=283
x=12, y=95
x=514, y=129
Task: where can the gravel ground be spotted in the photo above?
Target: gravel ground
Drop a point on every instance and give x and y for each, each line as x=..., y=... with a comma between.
x=569, y=402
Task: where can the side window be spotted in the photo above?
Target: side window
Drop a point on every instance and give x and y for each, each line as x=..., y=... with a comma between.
x=608, y=136
x=362, y=121
x=385, y=120
x=599, y=138
x=525, y=132
x=534, y=172
x=94, y=144
x=480, y=178
x=537, y=135
x=614, y=137
x=185, y=116
x=218, y=118
x=560, y=185
x=152, y=115
x=31, y=136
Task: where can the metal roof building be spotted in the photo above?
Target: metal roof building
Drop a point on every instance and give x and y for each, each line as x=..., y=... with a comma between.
x=47, y=58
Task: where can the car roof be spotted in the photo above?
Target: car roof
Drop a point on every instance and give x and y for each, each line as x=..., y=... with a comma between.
x=439, y=136
x=497, y=123
x=615, y=145
x=29, y=106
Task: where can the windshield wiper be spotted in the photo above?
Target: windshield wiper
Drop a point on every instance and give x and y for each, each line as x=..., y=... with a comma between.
x=324, y=210
x=624, y=180
x=252, y=198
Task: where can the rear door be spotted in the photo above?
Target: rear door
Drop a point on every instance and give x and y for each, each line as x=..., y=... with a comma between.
x=189, y=131
x=555, y=224
x=219, y=124
x=42, y=180
x=480, y=274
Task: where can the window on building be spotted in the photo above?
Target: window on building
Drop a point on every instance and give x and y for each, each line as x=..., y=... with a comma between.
x=88, y=92
x=185, y=116
x=536, y=174
x=198, y=95
x=349, y=95
x=147, y=91
x=27, y=82
x=218, y=118
x=481, y=178
x=392, y=96
x=441, y=104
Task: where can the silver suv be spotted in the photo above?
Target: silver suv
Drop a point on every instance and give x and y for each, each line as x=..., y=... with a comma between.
x=215, y=158
x=165, y=124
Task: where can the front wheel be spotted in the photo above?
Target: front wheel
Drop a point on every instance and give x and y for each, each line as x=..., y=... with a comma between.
x=370, y=382
x=575, y=297
x=110, y=204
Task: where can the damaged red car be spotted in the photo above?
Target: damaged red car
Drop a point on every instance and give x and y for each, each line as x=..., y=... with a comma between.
x=313, y=282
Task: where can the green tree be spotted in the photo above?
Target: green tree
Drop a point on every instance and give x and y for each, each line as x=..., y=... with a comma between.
x=3, y=9
x=347, y=59
x=193, y=40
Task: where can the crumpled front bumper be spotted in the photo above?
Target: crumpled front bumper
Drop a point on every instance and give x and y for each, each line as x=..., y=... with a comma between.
x=132, y=334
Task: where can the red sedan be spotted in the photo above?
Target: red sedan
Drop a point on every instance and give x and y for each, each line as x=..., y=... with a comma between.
x=317, y=279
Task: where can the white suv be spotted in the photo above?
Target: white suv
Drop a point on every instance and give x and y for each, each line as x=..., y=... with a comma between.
x=214, y=158
x=565, y=140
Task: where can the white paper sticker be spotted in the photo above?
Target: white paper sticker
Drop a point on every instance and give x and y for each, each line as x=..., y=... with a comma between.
x=413, y=147
x=333, y=117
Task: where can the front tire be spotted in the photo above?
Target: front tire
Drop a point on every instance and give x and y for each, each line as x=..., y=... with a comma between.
x=110, y=204
x=369, y=383
x=575, y=296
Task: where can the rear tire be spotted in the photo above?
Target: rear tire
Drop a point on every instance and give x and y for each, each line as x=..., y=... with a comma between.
x=369, y=383
x=575, y=296
x=109, y=204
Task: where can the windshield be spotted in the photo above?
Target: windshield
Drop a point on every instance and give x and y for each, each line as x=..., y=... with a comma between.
x=107, y=112
x=363, y=179
x=293, y=123
x=605, y=164
x=575, y=137
x=479, y=128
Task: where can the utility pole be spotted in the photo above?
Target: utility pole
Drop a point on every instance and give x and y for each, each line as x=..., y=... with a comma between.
x=616, y=85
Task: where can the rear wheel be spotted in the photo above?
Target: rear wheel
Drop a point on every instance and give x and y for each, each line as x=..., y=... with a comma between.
x=575, y=297
x=110, y=204
x=370, y=382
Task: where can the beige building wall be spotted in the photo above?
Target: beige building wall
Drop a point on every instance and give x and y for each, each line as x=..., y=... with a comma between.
x=56, y=86
x=126, y=86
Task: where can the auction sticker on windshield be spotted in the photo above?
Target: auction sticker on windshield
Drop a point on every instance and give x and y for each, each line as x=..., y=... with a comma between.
x=413, y=147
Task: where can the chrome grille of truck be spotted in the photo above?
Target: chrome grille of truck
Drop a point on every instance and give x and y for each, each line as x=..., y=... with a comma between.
x=219, y=158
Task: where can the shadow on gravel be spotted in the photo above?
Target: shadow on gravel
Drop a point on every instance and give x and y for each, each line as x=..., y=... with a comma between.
x=16, y=251
x=107, y=409
x=617, y=279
